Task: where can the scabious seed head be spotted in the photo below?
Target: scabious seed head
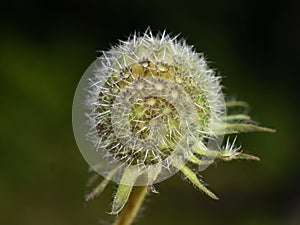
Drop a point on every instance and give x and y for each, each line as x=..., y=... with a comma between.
x=148, y=104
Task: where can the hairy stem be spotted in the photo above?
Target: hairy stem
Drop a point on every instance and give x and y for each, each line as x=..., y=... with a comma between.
x=132, y=206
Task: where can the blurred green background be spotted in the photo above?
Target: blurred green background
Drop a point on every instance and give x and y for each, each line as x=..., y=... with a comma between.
x=45, y=46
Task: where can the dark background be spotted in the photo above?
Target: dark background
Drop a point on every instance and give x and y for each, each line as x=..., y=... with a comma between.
x=46, y=46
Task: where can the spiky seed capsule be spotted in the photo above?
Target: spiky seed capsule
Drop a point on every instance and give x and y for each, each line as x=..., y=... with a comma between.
x=147, y=106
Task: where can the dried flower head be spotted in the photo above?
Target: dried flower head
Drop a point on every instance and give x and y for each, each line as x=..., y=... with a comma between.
x=149, y=107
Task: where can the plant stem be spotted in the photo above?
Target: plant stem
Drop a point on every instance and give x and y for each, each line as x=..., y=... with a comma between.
x=132, y=206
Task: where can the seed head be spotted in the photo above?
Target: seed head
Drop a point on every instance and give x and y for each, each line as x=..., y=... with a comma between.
x=147, y=104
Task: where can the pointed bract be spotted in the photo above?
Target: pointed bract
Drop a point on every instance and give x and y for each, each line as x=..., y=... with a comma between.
x=191, y=176
x=130, y=175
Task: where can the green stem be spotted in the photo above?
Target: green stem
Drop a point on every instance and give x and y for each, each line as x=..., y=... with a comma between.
x=132, y=206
